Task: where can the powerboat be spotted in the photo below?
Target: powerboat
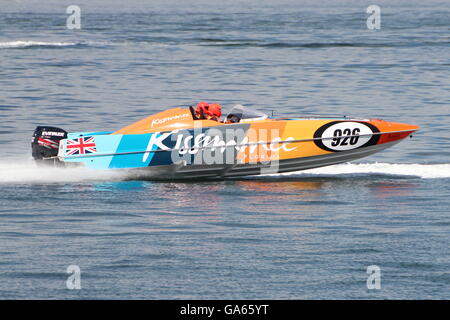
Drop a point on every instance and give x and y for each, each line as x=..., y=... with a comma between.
x=178, y=144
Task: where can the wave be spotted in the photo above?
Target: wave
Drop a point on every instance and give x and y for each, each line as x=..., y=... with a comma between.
x=32, y=44
x=312, y=45
x=225, y=43
x=27, y=172
x=424, y=171
x=215, y=42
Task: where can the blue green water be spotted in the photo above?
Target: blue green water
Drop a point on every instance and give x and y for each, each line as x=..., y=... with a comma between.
x=307, y=235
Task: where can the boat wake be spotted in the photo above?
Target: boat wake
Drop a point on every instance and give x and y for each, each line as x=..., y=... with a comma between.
x=32, y=44
x=424, y=171
x=27, y=172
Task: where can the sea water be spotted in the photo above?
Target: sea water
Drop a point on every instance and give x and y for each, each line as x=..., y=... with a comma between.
x=301, y=235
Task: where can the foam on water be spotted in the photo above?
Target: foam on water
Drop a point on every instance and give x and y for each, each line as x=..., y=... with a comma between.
x=424, y=171
x=28, y=43
x=29, y=172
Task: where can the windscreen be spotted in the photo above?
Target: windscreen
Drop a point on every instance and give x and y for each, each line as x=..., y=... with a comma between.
x=239, y=112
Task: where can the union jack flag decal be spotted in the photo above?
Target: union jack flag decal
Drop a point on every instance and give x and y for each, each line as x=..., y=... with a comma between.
x=82, y=145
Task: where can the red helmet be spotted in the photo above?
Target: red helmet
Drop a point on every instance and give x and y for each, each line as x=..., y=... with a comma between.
x=215, y=110
x=202, y=106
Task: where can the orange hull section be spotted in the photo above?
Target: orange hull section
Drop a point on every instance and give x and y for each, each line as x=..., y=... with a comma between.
x=279, y=139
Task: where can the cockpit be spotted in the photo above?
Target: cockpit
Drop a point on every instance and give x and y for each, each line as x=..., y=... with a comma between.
x=239, y=113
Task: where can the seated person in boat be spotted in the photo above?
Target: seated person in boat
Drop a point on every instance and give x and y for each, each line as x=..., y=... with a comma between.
x=208, y=111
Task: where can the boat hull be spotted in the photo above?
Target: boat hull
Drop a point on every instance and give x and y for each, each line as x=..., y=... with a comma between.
x=171, y=145
x=183, y=171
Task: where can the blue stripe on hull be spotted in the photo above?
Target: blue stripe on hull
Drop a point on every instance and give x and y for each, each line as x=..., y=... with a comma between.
x=133, y=143
x=132, y=146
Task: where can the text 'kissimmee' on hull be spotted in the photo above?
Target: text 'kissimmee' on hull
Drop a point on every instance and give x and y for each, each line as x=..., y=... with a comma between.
x=174, y=144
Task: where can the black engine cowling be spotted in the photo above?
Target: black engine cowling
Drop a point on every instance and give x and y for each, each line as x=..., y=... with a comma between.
x=45, y=142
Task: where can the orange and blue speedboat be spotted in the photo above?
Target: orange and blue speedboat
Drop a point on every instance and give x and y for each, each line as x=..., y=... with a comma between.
x=175, y=144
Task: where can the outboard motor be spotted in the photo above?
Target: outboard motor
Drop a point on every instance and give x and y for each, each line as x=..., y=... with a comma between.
x=45, y=144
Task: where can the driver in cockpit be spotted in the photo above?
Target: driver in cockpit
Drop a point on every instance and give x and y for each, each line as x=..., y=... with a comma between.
x=211, y=111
